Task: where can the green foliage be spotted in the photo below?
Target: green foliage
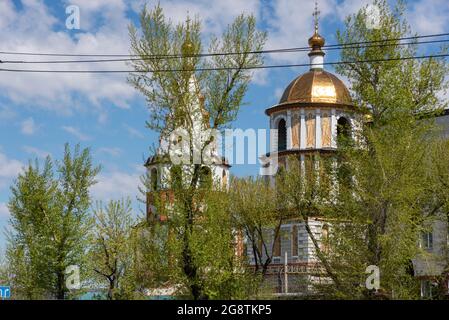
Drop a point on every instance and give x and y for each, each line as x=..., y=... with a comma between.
x=211, y=241
x=386, y=88
x=257, y=208
x=167, y=93
x=50, y=221
x=111, y=252
x=187, y=242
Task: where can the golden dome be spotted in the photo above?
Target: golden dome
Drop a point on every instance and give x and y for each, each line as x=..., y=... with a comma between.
x=316, y=86
x=316, y=41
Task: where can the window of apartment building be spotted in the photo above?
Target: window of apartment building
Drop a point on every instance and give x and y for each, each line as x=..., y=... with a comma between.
x=427, y=240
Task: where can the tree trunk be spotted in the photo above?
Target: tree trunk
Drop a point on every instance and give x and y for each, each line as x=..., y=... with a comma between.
x=60, y=294
x=111, y=289
x=189, y=267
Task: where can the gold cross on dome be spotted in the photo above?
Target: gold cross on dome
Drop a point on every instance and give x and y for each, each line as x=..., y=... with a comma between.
x=316, y=14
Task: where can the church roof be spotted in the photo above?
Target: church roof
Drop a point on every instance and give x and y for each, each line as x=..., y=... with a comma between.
x=316, y=86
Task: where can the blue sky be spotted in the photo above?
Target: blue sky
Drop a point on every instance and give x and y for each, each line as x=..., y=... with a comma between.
x=40, y=112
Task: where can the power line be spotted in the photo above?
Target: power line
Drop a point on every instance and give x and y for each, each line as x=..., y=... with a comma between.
x=226, y=68
x=284, y=50
x=154, y=58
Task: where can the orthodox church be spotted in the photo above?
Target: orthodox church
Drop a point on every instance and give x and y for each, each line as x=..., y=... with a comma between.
x=313, y=112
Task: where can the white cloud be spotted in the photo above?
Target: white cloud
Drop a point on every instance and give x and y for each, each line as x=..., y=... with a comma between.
x=116, y=185
x=278, y=93
x=34, y=28
x=76, y=132
x=215, y=15
x=28, y=126
x=6, y=113
x=36, y=152
x=429, y=16
x=133, y=132
x=115, y=152
x=349, y=7
x=9, y=169
x=4, y=211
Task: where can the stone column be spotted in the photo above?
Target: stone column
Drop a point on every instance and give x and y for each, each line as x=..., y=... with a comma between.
x=302, y=136
x=273, y=135
x=288, y=124
x=333, y=129
x=318, y=129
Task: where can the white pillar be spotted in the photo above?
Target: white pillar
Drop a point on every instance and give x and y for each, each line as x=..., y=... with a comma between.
x=302, y=142
x=317, y=61
x=318, y=129
x=288, y=123
x=273, y=135
x=333, y=129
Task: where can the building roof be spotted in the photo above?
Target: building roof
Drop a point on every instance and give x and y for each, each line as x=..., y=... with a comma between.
x=316, y=86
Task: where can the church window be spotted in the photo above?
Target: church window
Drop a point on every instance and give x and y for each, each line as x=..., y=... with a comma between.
x=154, y=179
x=282, y=135
x=343, y=131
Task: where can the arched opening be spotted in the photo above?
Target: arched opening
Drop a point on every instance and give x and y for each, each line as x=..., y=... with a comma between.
x=282, y=135
x=154, y=179
x=343, y=130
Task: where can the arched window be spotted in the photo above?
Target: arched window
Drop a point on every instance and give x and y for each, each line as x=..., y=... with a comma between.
x=282, y=135
x=154, y=179
x=343, y=130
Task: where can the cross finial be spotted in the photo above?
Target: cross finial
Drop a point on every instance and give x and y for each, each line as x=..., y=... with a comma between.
x=188, y=20
x=316, y=14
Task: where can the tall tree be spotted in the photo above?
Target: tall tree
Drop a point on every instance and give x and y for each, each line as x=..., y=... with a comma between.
x=258, y=211
x=383, y=202
x=169, y=64
x=386, y=88
x=50, y=220
x=111, y=252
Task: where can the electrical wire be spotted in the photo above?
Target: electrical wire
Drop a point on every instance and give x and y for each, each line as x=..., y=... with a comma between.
x=225, y=68
x=284, y=50
x=160, y=58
